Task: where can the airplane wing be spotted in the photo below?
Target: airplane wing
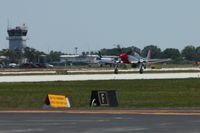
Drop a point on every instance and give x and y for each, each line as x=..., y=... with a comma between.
x=133, y=59
x=154, y=61
x=134, y=62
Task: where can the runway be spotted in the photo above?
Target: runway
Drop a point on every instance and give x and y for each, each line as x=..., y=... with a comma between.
x=69, y=123
x=85, y=77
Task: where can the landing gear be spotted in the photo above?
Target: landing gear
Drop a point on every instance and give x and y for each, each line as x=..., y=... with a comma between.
x=141, y=68
x=116, y=69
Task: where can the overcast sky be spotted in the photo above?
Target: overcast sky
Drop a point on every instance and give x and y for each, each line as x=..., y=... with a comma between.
x=96, y=24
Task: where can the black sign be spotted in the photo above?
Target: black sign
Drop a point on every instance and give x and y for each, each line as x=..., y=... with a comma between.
x=103, y=98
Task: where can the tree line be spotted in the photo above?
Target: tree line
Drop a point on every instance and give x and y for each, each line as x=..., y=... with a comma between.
x=187, y=54
x=31, y=54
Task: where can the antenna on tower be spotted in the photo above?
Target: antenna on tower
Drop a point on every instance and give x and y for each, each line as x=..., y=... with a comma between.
x=8, y=24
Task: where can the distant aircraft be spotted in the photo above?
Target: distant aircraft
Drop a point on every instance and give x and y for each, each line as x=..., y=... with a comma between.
x=107, y=60
x=80, y=59
x=137, y=61
x=89, y=59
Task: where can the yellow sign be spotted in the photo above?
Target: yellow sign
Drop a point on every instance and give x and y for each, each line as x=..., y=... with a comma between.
x=57, y=101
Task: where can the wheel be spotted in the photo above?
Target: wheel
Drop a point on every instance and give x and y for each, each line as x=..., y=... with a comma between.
x=116, y=71
x=141, y=71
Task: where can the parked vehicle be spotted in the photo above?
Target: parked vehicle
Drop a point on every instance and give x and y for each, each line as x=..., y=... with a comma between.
x=28, y=65
x=37, y=65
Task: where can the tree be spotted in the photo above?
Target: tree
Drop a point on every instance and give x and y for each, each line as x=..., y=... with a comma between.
x=32, y=54
x=155, y=51
x=136, y=49
x=131, y=50
x=113, y=51
x=198, y=53
x=29, y=53
x=171, y=53
x=189, y=53
x=83, y=53
x=4, y=52
x=12, y=56
x=54, y=56
x=118, y=50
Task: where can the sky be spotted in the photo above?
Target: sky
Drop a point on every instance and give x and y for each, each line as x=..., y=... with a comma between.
x=91, y=25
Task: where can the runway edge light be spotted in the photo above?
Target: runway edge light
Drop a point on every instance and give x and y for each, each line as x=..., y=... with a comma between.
x=57, y=101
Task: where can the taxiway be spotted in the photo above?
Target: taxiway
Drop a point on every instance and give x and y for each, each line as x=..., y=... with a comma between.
x=85, y=77
x=92, y=123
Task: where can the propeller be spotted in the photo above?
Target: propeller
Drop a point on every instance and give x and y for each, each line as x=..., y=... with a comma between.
x=141, y=60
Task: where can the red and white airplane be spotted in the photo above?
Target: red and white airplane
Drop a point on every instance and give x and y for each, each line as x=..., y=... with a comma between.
x=137, y=61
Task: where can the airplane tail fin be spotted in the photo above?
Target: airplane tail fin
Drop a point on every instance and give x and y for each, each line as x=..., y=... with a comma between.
x=100, y=54
x=149, y=55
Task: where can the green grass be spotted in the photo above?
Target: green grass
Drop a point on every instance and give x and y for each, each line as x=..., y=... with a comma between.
x=131, y=93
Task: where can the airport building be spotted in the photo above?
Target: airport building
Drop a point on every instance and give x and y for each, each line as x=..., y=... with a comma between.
x=17, y=42
x=17, y=37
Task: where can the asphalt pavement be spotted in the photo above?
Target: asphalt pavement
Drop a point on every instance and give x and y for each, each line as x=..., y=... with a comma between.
x=97, y=123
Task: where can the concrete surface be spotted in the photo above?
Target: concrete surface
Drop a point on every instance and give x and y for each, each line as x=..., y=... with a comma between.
x=84, y=77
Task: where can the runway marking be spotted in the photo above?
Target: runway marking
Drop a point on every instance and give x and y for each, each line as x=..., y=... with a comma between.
x=117, y=129
x=165, y=124
x=125, y=129
x=21, y=130
x=78, y=120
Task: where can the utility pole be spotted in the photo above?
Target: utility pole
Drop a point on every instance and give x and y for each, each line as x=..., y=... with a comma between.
x=76, y=50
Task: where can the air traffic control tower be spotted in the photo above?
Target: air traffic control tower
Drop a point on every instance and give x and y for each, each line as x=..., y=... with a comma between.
x=17, y=37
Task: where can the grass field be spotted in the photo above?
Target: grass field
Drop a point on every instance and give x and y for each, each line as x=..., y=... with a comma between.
x=131, y=93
